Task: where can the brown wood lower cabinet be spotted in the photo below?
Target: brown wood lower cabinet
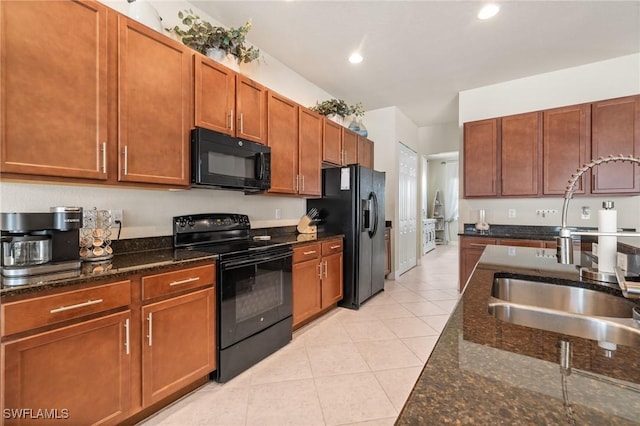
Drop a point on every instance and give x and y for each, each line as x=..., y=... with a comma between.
x=317, y=279
x=106, y=353
x=79, y=373
x=178, y=343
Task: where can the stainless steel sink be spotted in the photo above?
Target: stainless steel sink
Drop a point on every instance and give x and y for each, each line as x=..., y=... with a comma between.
x=565, y=309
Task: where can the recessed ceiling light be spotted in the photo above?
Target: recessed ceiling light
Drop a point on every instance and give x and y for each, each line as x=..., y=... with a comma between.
x=355, y=58
x=488, y=11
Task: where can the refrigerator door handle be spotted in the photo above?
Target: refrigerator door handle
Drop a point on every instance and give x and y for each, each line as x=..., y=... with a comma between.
x=373, y=199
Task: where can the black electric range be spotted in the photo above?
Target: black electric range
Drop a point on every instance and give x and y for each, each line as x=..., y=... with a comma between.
x=254, y=286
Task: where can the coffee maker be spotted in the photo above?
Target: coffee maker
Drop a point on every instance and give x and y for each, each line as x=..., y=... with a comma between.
x=40, y=243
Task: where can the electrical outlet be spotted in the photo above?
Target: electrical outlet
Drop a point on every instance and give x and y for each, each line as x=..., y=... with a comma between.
x=117, y=215
x=586, y=213
x=511, y=213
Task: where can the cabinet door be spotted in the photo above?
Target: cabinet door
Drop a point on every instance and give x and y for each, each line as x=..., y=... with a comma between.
x=616, y=130
x=565, y=147
x=310, y=152
x=471, y=249
x=54, y=98
x=154, y=106
x=331, y=279
x=82, y=370
x=349, y=146
x=521, y=139
x=251, y=106
x=365, y=152
x=481, y=158
x=282, y=116
x=332, y=142
x=307, y=299
x=178, y=343
x=214, y=95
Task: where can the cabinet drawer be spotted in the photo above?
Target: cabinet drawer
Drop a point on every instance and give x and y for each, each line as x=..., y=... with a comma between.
x=522, y=243
x=307, y=252
x=330, y=247
x=475, y=242
x=37, y=312
x=176, y=281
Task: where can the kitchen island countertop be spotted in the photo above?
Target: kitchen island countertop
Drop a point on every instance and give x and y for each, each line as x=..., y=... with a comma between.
x=486, y=371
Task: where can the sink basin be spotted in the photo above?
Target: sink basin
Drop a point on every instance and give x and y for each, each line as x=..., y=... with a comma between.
x=565, y=309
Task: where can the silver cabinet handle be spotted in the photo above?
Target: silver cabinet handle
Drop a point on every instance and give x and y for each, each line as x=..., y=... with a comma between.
x=309, y=252
x=334, y=247
x=478, y=245
x=126, y=336
x=296, y=182
x=303, y=182
x=104, y=157
x=320, y=270
x=188, y=280
x=150, y=335
x=326, y=268
x=79, y=305
x=126, y=154
x=231, y=120
x=241, y=122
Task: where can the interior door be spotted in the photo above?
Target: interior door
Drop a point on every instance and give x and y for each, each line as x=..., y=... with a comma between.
x=407, y=203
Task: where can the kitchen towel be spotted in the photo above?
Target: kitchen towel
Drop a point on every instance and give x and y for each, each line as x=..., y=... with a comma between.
x=607, y=246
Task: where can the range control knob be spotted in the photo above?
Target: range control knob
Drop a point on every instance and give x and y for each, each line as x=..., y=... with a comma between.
x=181, y=223
x=191, y=222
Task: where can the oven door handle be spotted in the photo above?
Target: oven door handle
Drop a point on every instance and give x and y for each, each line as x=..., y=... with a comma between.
x=254, y=260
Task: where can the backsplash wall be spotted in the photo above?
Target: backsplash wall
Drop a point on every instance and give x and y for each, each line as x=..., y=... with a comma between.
x=148, y=212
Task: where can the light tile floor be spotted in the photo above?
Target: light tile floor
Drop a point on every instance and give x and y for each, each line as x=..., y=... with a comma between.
x=346, y=368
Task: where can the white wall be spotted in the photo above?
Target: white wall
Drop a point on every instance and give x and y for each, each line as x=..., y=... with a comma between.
x=387, y=128
x=439, y=139
x=601, y=80
x=149, y=212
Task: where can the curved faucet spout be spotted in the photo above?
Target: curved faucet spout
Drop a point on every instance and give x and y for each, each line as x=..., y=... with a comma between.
x=565, y=241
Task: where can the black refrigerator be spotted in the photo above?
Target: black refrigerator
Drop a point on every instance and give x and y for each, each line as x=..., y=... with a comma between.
x=352, y=204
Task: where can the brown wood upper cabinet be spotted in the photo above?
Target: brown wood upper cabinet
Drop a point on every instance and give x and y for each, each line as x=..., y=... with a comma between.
x=310, y=152
x=481, y=158
x=520, y=148
x=349, y=147
x=566, y=134
x=295, y=138
x=365, y=152
x=54, y=100
x=154, y=106
x=228, y=102
x=616, y=130
x=331, y=142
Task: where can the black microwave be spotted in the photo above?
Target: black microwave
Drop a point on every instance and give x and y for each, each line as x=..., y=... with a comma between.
x=221, y=161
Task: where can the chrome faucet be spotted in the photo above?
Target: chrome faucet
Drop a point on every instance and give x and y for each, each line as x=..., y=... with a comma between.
x=565, y=235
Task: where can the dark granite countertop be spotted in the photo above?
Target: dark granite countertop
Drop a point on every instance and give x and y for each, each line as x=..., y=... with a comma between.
x=486, y=371
x=136, y=256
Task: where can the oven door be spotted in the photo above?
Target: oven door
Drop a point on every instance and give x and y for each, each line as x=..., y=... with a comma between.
x=255, y=293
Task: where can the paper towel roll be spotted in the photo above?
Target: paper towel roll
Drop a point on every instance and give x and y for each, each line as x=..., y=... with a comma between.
x=607, y=246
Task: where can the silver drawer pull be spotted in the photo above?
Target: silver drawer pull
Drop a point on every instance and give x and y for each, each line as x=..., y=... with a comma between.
x=334, y=247
x=188, y=280
x=309, y=252
x=479, y=245
x=126, y=338
x=79, y=305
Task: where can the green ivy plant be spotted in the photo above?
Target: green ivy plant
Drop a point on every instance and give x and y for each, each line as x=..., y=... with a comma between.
x=201, y=35
x=338, y=107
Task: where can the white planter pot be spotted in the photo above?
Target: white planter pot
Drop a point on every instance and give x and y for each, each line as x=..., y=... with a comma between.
x=226, y=59
x=336, y=118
